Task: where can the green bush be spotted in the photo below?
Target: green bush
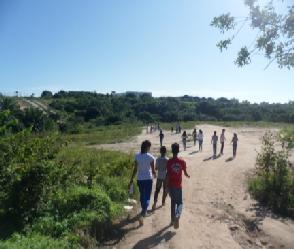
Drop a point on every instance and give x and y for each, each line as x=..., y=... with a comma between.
x=36, y=241
x=273, y=183
x=81, y=198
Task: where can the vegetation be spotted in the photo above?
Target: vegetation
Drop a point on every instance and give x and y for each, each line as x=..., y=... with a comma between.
x=274, y=36
x=273, y=184
x=49, y=192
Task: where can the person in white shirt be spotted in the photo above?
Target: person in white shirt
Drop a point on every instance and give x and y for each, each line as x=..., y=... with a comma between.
x=214, y=140
x=222, y=141
x=145, y=170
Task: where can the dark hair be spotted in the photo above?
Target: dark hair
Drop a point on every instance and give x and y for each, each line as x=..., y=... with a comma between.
x=214, y=132
x=175, y=148
x=185, y=133
x=200, y=131
x=145, y=145
x=163, y=150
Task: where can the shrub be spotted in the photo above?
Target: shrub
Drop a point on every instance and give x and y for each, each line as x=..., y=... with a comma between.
x=80, y=198
x=273, y=183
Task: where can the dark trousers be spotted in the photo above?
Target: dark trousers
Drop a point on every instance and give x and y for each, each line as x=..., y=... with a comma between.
x=176, y=202
x=160, y=183
x=200, y=145
x=214, y=149
x=161, y=139
x=234, y=149
x=222, y=147
x=145, y=188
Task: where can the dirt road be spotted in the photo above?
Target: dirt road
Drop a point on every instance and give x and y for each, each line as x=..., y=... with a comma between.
x=218, y=212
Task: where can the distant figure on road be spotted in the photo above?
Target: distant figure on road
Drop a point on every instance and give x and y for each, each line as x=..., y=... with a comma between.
x=175, y=166
x=160, y=166
x=172, y=129
x=194, y=134
x=214, y=140
x=200, y=139
x=184, y=139
x=144, y=168
x=222, y=141
x=235, y=143
x=161, y=136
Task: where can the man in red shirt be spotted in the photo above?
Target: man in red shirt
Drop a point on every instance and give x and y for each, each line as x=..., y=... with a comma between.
x=175, y=166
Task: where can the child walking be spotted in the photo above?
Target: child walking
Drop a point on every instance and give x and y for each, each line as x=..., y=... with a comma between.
x=160, y=166
x=175, y=166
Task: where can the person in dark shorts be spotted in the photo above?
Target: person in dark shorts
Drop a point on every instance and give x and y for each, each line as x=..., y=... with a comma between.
x=200, y=139
x=145, y=169
x=194, y=135
x=235, y=144
x=175, y=166
x=214, y=140
x=184, y=139
x=160, y=166
x=161, y=136
x=222, y=141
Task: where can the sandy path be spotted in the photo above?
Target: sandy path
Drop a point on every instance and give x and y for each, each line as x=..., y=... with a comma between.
x=218, y=212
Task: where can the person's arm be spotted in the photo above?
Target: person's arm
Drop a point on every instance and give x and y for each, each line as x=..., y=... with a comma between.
x=134, y=173
x=156, y=168
x=153, y=169
x=185, y=172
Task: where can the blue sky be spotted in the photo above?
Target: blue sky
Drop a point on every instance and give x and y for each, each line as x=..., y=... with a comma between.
x=165, y=46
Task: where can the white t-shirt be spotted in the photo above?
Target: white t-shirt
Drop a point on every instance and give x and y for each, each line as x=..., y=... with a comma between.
x=222, y=138
x=144, y=171
x=200, y=136
x=214, y=139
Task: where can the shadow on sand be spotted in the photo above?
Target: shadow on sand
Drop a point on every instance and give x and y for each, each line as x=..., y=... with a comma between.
x=156, y=239
x=194, y=152
x=211, y=158
x=230, y=159
x=117, y=231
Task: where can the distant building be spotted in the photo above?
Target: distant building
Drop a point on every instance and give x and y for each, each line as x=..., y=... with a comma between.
x=137, y=94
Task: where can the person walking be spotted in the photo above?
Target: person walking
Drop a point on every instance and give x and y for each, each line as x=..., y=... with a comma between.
x=222, y=141
x=161, y=136
x=144, y=168
x=235, y=143
x=160, y=166
x=194, y=135
x=214, y=140
x=200, y=139
x=184, y=139
x=175, y=166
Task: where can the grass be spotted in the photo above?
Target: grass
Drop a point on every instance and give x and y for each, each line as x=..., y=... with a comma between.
x=260, y=124
x=105, y=134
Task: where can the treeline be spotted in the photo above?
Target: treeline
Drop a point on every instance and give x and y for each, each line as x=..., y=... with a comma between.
x=108, y=109
x=73, y=110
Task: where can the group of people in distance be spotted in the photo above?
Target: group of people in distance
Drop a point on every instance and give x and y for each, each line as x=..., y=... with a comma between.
x=169, y=178
x=168, y=172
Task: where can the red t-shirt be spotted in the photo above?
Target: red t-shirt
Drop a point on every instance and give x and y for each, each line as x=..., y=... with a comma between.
x=175, y=166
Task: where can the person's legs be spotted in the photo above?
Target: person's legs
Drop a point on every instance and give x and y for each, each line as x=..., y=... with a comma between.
x=234, y=149
x=179, y=206
x=164, y=193
x=157, y=190
x=222, y=148
x=141, y=190
x=145, y=188
x=214, y=149
x=172, y=205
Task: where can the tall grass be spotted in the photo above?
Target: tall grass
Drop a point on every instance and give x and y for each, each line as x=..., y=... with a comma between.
x=105, y=134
